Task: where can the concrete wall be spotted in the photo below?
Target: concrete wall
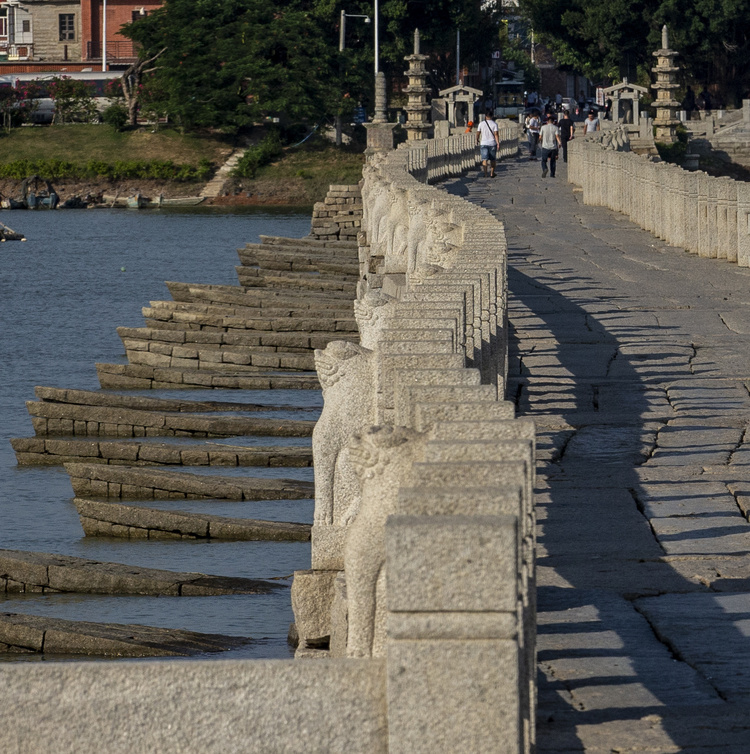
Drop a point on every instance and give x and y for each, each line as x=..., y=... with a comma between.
x=702, y=214
x=419, y=611
x=46, y=20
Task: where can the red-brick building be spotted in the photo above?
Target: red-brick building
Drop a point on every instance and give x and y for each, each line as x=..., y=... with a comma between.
x=59, y=35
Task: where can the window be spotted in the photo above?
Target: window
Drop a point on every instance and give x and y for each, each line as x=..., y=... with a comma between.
x=25, y=26
x=137, y=15
x=67, y=27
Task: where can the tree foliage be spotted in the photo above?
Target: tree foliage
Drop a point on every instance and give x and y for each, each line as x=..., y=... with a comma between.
x=229, y=63
x=609, y=40
x=74, y=100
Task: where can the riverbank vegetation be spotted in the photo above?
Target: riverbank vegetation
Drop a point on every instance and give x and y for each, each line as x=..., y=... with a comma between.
x=81, y=143
x=298, y=176
x=90, y=152
x=83, y=159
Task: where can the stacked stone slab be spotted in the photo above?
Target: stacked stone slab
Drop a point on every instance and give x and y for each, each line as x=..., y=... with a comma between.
x=294, y=296
x=309, y=278
x=24, y=572
x=419, y=606
x=703, y=214
x=339, y=215
x=83, y=413
x=103, y=518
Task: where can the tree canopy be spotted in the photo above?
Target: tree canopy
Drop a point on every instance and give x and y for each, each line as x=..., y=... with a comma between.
x=233, y=62
x=609, y=40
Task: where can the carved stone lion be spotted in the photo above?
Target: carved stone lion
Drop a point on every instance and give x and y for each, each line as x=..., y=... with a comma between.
x=382, y=458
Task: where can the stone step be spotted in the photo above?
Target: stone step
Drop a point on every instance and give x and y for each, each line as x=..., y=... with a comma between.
x=195, y=356
x=139, y=338
x=32, y=634
x=24, y=572
x=250, y=311
x=143, y=403
x=41, y=451
x=197, y=316
x=143, y=377
x=307, y=241
x=295, y=246
x=253, y=277
x=300, y=261
x=103, y=519
x=133, y=482
x=103, y=421
x=234, y=295
x=289, y=273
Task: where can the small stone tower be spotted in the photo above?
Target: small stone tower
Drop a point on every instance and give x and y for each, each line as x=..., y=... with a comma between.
x=666, y=82
x=418, y=107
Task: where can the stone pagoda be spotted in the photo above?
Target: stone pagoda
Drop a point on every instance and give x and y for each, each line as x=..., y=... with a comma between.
x=666, y=82
x=417, y=125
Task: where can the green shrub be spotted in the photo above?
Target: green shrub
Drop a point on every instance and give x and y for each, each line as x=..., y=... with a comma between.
x=674, y=153
x=159, y=170
x=116, y=115
x=261, y=154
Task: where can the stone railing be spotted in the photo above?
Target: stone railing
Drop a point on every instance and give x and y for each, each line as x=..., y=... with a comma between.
x=419, y=611
x=433, y=160
x=702, y=214
x=423, y=541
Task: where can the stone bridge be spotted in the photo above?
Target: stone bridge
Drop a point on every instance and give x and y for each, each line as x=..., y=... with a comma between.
x=602, y=366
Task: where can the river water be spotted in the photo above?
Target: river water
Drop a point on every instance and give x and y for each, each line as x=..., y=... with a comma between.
x=81, y=274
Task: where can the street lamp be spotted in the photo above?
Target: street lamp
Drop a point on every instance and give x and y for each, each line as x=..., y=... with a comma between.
x=104, y=35
x=342, y=27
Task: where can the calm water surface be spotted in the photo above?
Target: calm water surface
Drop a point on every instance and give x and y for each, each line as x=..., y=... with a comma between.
x=63, y=292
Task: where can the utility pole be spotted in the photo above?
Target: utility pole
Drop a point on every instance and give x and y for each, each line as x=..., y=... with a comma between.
x=458, y=57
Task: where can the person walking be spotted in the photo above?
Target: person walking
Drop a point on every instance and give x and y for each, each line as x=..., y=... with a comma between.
x=591, y=123
x=550, y=141
x=567, y=130
x=532, y=129
x=489, y=143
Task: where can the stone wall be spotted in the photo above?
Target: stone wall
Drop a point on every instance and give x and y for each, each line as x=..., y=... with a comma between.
x=702, y=214
x=339, y=215
x=419, y=608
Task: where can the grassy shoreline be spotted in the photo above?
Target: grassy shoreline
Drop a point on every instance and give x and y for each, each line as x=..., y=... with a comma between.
x=132, y=161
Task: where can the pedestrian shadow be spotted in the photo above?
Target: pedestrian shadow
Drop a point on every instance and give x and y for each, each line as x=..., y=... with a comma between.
x=600, y=557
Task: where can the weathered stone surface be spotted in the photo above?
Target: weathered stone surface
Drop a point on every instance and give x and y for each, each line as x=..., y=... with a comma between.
x=312, y=600
x=89, y=708
x=642, y=456
x=63, y=637
x=41, y=572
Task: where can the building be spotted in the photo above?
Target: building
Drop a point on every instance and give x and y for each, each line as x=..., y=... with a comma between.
x=58, y=35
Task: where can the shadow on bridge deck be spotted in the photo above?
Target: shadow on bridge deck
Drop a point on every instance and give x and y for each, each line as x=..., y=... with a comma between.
x=621, y=352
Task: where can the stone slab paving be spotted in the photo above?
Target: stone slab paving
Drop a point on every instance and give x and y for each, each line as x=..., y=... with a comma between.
x=633, y=358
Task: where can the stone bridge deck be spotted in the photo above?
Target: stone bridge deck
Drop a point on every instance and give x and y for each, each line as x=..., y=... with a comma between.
x=633, y=358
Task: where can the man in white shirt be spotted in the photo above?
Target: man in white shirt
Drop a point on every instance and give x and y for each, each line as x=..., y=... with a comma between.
x=549, y=137
x=489, y=142
x=532, y=131
x=591, y=123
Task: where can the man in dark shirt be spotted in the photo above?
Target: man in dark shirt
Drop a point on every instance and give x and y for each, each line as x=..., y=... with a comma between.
x=567, y=129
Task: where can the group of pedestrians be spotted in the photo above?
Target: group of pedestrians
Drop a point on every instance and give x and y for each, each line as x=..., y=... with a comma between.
x=554, y=136
x=551, y=137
